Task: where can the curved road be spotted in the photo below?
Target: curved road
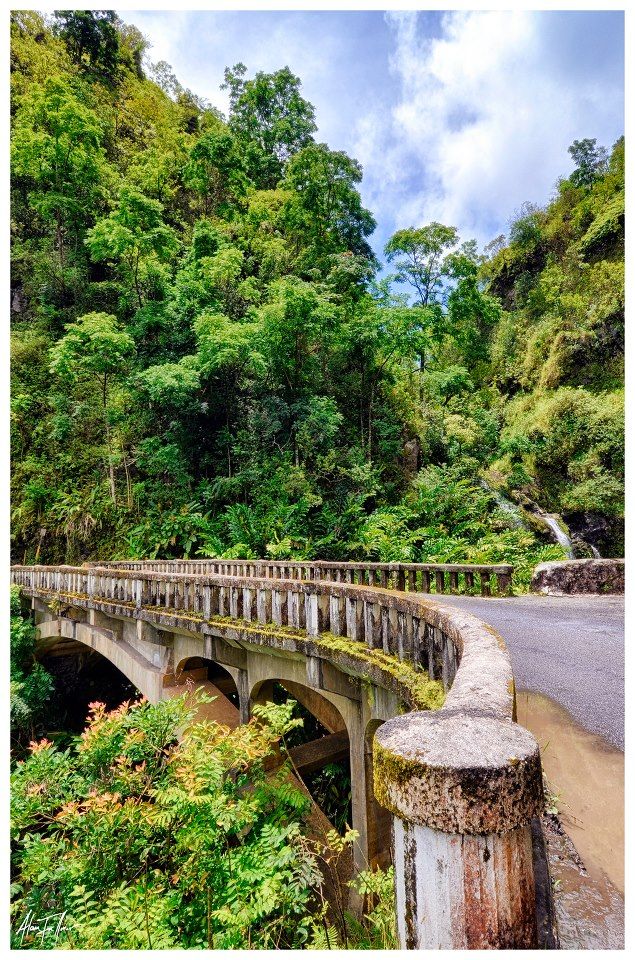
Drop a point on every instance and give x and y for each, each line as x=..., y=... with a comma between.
x=569, y=648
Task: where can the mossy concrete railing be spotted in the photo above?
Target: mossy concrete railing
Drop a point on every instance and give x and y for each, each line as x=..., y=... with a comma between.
x=486, y=579
x=460, y=777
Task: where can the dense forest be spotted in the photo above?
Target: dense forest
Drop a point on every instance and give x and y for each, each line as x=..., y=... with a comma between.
x=208, y=358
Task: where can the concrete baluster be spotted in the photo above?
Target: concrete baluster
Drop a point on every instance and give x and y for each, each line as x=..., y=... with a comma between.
x=418, y=631
x=312, y=613
x=429, y=646
x=406, y=636
x=248, y=603
x=485, y=583
x=293, y=608
x=446, y=676
x=279, y=601
x=178, y=595
x=439, y=577
x=372, y=624
x=463, y=790
x=137, y=593
x=324, y=611
x=337, y=615
x=354, y=621
x=263, y=605
x=454, y=581
x=452, y=659
x=234, y=602
x=504, y=583
x=391, y=635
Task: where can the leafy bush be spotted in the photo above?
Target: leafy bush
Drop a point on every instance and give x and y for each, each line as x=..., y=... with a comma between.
x=158, y=832
x=31, y=684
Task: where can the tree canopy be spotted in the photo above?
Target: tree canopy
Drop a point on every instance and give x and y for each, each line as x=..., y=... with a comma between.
x=207, y=356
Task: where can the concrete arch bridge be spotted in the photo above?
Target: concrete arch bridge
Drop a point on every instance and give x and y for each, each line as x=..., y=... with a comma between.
x=444, y=782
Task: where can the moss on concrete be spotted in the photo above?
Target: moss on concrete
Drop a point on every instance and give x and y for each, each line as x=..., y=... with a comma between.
x=420, y=691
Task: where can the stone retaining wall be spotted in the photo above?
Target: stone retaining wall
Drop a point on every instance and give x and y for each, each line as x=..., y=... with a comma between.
x=566, y=577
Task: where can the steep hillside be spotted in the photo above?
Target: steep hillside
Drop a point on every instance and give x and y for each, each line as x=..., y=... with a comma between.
x=204, y=363
x=558, y=351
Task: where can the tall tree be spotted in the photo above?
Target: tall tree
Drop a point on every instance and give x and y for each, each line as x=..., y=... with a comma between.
x=590, y=160
x=421, y=257
x=325, y=213
x=215, y=171
x=91, y=37
x=95, y=349
x=135, y=236
x=270, y=118
x=58, y=159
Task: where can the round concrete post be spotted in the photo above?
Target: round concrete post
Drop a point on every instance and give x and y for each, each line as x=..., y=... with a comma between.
x=463, y=789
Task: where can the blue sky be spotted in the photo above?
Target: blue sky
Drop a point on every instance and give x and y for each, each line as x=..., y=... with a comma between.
x=455, y=116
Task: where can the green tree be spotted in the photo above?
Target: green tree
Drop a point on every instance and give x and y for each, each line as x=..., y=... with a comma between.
x=31, y=684
x=421, y=257
x=57, y=158
x=296, y=336
x=228, y=353
x=92, y=34
x=134, y=235
x=95, y=348
x=591, y=162
x=151, y=838
x=270, y=118
x=214, y=171
x=325, y=213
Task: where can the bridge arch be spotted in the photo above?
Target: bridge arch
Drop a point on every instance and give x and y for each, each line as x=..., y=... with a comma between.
x=144, y=675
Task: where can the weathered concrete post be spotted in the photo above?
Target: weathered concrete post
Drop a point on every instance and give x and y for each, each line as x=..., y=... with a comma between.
x=463, y=789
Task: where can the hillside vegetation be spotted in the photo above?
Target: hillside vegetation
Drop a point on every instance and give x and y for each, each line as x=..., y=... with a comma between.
x=205, y=363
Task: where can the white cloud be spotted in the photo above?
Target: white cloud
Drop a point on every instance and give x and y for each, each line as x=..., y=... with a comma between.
x=472, y=115
x=483, y=119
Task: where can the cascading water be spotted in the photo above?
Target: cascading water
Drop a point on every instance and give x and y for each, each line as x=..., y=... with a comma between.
x=551, y=520
x=563, y=538
x=507, y=507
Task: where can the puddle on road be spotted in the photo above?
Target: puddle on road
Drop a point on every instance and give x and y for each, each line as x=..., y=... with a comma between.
x=588, y=774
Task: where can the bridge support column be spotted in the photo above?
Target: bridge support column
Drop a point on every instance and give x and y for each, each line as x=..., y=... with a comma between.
x=372, y=822
x=463, y=790
x=242, y=685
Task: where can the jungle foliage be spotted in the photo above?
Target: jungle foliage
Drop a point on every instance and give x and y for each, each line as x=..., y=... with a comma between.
x=206, y=363
x=30, y=683
x=142, y=836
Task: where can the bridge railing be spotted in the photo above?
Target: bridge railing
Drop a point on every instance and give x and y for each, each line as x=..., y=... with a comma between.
x=463, y=783
x=441, y=578
x=402, y=626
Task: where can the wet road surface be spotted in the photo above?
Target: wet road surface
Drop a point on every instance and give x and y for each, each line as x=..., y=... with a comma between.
x=569, y=648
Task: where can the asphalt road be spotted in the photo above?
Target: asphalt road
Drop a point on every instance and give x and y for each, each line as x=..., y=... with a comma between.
x=569, y=648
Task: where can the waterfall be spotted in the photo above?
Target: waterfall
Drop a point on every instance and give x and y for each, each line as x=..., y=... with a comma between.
x=563, y=539
x=551, y=520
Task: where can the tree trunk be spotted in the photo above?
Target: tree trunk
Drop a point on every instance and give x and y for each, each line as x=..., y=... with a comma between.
x=111, y=468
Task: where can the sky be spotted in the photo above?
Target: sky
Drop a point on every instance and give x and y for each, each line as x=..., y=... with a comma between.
x=455, y=116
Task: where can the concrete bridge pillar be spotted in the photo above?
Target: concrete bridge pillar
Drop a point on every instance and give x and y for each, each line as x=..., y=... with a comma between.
x=463, y=790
